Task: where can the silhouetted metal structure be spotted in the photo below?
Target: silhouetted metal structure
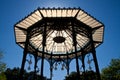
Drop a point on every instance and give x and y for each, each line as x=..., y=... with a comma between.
x=59, y=35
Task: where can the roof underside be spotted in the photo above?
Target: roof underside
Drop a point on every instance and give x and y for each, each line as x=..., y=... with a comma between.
x=59, y=39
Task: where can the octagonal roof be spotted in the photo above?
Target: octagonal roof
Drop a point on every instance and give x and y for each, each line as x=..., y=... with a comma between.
x=58, y=22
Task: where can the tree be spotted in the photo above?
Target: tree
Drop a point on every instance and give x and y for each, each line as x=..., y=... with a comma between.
x=2, y=76
x=88, y=75
x=71, y=76
x=112, y=72
x=2, y=64
x=14, y=74
x=2, y=68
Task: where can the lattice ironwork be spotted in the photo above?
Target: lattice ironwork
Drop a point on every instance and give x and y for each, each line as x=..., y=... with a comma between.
x=58, y=24
x=59, y=34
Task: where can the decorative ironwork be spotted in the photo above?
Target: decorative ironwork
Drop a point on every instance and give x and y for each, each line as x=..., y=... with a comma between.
x=59, y=35
x=59, y=39
x=29, y=61
x=89, y=62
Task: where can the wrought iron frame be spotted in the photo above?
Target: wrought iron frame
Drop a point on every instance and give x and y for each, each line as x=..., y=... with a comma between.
x=75, y=20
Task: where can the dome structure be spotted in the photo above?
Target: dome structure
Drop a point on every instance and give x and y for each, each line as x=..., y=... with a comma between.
x=59, y=31
x=59, y=34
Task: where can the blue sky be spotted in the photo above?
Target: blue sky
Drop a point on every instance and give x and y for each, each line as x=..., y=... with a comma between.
x=107, y=11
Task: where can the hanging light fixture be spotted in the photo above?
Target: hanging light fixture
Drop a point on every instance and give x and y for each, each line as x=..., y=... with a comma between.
x=29, y=62
x=89, y=62
x=67, y=33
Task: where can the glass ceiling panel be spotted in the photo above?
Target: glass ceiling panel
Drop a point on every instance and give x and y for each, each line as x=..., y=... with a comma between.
x=59, y=40
x=93, y=23
x=30, y=20
x=33, y=19
x=64, y=13
x=54, y=13
x=69, y=13
x=87, y=19
x=74, y=12
x=80, y=13
x=20, y=35
x=27, y=23
x=98, y=34
x=82, y=16
x=97, y=24
x=82, y=40
x=53, y=46
x=36, y=41
x=58, y=48
x=49, y=13
x=36, y=17
x=22, y=25
x=96, y=44
x=21, y=45
x=59, y=13
x=43, y=12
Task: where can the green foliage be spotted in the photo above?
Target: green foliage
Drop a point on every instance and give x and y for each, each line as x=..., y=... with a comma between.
x=72, y=76
x=2, y=67
x=112, y=72
x=2, y=76
x=2, y=64
x=88, y=75
x=14, y=74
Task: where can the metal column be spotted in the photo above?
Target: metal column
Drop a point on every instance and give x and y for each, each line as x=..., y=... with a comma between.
x=35, y=66
x=51, y=67
x=94, y=56
x=67, y=65
x=83, y=63
x=44, y=44
x=96, y=64
x=75, y=46
x=24, y=57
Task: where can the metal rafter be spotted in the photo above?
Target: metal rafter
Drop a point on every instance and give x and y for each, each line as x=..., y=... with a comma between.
x=79, y=32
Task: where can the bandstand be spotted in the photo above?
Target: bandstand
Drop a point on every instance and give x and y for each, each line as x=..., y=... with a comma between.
x=59, y=35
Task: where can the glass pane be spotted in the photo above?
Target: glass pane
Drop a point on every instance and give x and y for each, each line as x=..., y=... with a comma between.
x=20, y=35
x=98, y=35
x=54, y=13
x=69, y=13
x=64, y=13
x=74, y=12
x=43, y=13
x=59, y=13
x=49, y=13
